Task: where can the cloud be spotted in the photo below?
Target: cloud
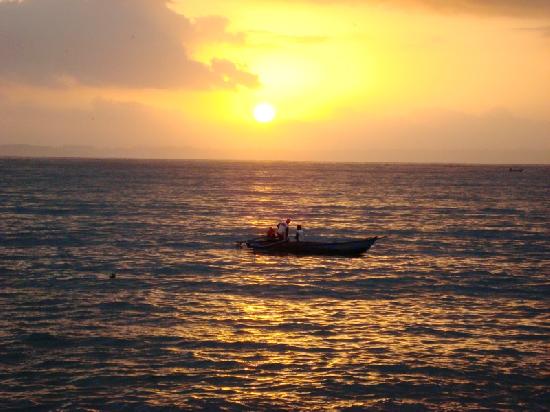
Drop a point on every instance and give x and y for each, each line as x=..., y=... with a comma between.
x=516, y=8
x=439, y=129
x=521, y=8
x=215, y=29
x=123, y=43
x=101, y=123
x=269, y=39
x=285, y=38
x=543, y=31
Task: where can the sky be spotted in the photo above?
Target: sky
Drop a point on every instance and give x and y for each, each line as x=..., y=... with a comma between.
x=351, y=80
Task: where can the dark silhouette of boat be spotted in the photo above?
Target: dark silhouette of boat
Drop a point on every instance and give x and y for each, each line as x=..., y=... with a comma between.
x=348, y=248
x=515, y=169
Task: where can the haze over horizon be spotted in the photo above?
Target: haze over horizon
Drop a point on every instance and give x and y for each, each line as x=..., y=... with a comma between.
x=352, y=80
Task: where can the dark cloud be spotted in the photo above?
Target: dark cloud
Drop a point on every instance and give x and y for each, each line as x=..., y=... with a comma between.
x=518, y=8
x=126, y=43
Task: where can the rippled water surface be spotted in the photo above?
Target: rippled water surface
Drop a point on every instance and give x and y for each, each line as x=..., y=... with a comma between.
x=449, y=311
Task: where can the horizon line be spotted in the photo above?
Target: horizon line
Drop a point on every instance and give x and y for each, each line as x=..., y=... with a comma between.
x=442, y=163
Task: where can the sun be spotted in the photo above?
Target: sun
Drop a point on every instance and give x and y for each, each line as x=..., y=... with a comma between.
x=264, y=113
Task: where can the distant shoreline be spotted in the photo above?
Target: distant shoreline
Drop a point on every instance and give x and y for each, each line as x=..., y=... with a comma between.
x=374, y=156
x=237, y=160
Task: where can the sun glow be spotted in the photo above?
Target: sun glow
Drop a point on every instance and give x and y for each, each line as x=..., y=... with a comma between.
x=264, y=113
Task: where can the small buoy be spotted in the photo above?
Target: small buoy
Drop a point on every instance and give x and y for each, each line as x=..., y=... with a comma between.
x=113, y=275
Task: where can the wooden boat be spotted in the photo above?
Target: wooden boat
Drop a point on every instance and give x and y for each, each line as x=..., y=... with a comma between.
x=348, y=248
x=515, y=169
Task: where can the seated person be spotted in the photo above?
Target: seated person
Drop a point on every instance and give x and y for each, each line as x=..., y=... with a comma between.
x=271, y=233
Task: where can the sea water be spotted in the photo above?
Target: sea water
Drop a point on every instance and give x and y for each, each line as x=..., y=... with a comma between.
x=449, y=311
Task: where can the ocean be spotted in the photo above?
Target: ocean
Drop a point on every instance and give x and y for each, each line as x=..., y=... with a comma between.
x=449, y=311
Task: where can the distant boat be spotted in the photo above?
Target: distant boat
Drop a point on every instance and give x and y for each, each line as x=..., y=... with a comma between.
x=515, y=169
x=347, y=248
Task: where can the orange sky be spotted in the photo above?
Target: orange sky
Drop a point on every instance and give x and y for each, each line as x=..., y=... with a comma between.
x=402, y=80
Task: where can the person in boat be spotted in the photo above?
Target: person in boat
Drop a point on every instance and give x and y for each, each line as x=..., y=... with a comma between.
x=299, y=233
x=287, y=228
x=271, y=234
x=282, y=230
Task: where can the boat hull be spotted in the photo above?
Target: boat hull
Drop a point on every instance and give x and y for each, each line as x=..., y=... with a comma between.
x=349, y=248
